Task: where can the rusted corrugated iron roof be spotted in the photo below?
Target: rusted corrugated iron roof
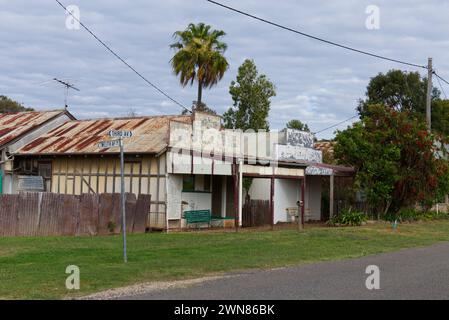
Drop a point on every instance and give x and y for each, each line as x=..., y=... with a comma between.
x=325, y=146
x=150, y=135
x=14, y=125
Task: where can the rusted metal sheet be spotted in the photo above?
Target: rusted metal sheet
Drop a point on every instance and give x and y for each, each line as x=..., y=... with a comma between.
x=14, y=125
x=150, y=135
x=142, y=211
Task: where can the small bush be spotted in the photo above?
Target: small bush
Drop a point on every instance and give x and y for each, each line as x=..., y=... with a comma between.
x=411, y=214
x=433, y=215
x=111, y=226
x=348, y=218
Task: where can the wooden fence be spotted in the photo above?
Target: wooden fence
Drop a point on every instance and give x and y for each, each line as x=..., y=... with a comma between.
x=50, y=214
x=256, y=213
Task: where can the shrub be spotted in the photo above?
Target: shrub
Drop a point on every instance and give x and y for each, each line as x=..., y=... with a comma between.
x=111, y=226
x=411, y=214
x=348, y=218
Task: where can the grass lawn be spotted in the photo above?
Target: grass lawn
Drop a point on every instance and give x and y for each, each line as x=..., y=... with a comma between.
x=34, y=268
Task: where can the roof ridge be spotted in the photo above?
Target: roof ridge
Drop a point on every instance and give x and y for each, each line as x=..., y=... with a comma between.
x=131, y=118
x=34, y=111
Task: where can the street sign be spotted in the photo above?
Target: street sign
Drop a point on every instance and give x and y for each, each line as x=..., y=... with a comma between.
x=120, y=134
x=109, y=144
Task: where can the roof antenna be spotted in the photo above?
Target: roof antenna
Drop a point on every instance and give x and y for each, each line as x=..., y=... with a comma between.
x=67, y=87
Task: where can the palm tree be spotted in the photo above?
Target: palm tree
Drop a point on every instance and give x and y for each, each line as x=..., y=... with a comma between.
x=199, y=57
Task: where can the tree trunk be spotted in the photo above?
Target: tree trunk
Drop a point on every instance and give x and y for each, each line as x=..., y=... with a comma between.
x=200, y=93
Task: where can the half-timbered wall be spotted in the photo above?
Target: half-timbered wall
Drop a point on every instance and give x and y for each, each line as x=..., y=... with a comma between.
x=96, y=174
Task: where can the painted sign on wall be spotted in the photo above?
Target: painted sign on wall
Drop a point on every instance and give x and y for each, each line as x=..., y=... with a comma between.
x=299, y=138
x=318, y=171
x=288, y=152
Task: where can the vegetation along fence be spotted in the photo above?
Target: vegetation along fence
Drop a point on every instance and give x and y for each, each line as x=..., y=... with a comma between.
x=48, y=214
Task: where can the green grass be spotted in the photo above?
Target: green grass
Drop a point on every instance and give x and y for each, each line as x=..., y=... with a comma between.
x=34, y=268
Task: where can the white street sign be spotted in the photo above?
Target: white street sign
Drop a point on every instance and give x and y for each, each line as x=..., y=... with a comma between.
x=109, y=144
x=120, y=134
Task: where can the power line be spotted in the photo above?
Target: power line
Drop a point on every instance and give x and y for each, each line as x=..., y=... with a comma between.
x=315, y=37
x=441, y=78
x=335, y=125
x=122, y=60
x=441, y=86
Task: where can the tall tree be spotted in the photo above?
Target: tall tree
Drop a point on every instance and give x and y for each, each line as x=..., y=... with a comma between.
x=297, y=125
x=9, y=105
x=440, y=117
x=394, y=157
x=399, y=90
x=199, y=57
x=251, y=95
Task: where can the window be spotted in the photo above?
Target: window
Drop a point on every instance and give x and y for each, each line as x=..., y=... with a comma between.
x=207, y=181
x=44, y=170
x=196, y=183
x=188, y=183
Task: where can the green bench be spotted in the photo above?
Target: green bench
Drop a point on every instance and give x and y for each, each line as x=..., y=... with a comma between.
x=198, y=216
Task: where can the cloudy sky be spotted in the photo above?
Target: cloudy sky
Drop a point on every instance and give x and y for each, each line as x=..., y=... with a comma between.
x=316, y=83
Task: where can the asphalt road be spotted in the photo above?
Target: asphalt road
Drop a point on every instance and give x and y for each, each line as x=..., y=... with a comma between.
x=420, y=273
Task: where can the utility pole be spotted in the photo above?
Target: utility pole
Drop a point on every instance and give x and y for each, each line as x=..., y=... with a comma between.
x=429, y=95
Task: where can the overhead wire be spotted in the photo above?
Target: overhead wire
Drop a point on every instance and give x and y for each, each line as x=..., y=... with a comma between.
x=123, y=60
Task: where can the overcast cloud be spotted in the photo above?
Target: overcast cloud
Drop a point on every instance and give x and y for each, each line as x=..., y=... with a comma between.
x=316, y=83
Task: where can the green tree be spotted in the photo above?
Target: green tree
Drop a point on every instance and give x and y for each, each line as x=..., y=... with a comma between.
x=251, y=95
x=399, y=90
x=440, y=117
x=9, y=105
x=199, y=57
x=394, y=158
x=202, y=107
x=297, y=125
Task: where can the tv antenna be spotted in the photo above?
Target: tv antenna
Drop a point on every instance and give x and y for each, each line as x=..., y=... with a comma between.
x=67, y=86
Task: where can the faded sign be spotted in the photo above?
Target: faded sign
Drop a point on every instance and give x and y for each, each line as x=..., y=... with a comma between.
x=288, y=152
x=299, y=138
x=207, y=120
x=318, y=171
x=31, y=183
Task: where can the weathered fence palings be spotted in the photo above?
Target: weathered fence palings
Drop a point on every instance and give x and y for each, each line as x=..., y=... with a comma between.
x=47, y=214
x=256, y=213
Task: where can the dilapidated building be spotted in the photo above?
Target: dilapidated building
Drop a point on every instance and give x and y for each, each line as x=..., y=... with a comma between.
x=16, y=130
x=186, y=163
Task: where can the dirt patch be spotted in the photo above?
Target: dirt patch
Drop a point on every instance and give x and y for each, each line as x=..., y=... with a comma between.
x=143, y=288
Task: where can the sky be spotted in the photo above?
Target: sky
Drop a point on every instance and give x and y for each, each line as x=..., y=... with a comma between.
x=315, y=82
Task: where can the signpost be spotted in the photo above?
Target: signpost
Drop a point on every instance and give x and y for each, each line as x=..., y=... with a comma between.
x=119, y=143
x=109, y=144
